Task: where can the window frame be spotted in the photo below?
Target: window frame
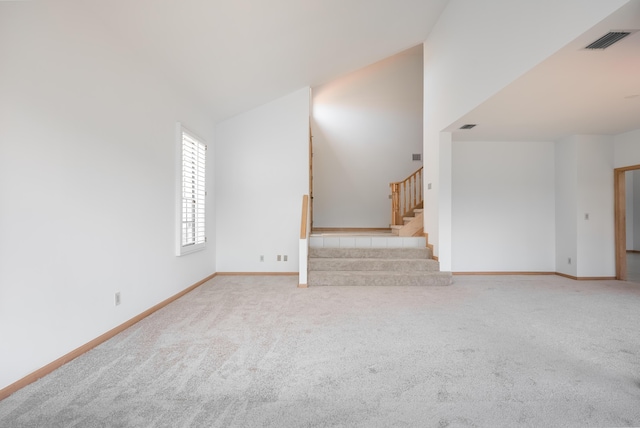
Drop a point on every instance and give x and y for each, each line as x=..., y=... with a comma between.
x=196, y=213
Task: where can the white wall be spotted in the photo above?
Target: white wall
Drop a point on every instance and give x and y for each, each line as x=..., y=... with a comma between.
x=262, y=172
x=584, y=186
x=467, y=58
x=87, y=186
x=503, y=206
x=566, y=194
x=366, y=125
x=522, y=206
x=627, y=149
x=627, y=153
x=596, y=236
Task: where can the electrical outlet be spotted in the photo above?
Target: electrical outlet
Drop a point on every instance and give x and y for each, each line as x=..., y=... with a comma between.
x=586, y=216
x=569, y=260
x=261, y=258
x=279, y=258
x=285, y=257
x=117, y=298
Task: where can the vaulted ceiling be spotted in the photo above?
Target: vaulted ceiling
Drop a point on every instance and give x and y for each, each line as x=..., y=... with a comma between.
x=233, y=55
x=237, y=54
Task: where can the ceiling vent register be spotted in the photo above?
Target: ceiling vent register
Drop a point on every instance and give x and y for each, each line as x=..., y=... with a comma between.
x=468, y=126
x=608, y=39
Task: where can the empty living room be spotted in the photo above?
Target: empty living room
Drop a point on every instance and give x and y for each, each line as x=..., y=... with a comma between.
x=467, y=248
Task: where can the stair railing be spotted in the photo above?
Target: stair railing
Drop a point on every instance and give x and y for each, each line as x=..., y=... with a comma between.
x=406, y=195
x=303, y=247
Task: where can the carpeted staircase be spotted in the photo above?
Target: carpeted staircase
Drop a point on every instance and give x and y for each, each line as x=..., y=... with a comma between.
x=375, y=266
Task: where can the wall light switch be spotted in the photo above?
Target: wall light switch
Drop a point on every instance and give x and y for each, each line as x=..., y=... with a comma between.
x=586, y=216
x=429, y=186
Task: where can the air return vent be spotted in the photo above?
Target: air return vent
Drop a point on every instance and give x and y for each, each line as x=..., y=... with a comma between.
x=608, y=39
x=468, y=126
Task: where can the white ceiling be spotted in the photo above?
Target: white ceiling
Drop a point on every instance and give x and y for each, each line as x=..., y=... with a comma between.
x=233, y=55
x=237, y=54
x=575, y=91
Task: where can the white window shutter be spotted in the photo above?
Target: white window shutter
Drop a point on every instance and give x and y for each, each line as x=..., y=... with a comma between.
x=193, y=192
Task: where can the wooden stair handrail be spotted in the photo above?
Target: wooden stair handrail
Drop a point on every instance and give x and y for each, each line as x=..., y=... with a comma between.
x=406, y=195
x=305, y=216
x=303, y=246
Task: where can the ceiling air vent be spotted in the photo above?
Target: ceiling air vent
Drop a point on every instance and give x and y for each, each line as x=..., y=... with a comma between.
x=608, y=39
x=468, y=126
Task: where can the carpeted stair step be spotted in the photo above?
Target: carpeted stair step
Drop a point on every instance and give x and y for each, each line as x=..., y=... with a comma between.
x=371, y=253
x=379, y=278
x=402, y=266
x=373, y=264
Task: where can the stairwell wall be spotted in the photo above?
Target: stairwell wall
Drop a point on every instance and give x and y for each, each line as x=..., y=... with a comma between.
x=366, y=126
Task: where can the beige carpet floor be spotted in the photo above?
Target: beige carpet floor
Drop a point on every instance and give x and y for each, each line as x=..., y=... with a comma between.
x=502, y=351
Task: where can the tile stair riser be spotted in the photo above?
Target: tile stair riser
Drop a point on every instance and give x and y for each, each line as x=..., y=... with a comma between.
x=387, y=241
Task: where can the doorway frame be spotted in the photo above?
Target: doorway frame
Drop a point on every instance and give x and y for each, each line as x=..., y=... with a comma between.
x=620, y=215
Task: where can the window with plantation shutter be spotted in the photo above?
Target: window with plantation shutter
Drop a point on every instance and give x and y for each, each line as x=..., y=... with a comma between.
x=192, y=193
